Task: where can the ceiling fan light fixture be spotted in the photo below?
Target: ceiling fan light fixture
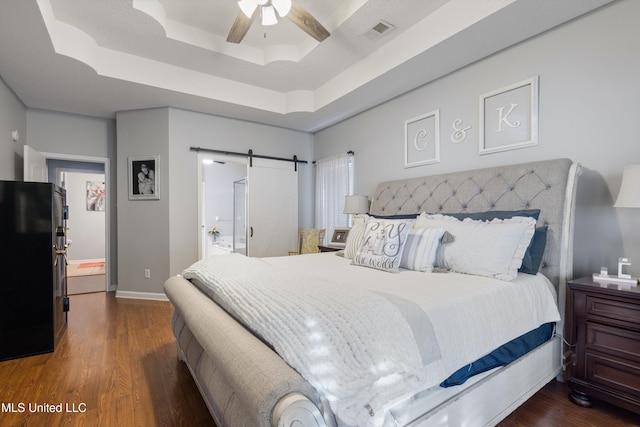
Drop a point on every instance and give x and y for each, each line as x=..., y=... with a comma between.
x=282, y=7
x=248, y=7
x=269, y=16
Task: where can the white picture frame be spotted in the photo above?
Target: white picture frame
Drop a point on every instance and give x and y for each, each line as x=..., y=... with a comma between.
x=509, y=117
x=422, y=140
x=144, y=181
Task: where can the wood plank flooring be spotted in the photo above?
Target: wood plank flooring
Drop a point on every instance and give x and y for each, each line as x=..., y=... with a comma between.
x=117, y=366
x=116, y=362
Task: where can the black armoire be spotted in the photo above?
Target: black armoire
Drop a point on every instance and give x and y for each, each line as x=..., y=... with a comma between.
x=33, y=279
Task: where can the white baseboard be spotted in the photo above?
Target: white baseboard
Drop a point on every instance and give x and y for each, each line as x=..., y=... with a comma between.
x=141, y=295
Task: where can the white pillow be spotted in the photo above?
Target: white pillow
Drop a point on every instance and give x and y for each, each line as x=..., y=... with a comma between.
x=354, y=238
x=382, y=244
x=420, y=250
x=485, y=248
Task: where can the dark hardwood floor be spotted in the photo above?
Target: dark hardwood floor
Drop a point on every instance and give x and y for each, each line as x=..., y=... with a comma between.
x=117, y=366
x=550, y=407
x=117, y=361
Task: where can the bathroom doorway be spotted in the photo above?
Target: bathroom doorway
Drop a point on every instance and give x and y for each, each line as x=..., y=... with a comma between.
x=217, y=213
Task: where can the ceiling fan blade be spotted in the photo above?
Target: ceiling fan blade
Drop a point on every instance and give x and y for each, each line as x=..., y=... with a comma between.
x=307, y=22
x=240, y=27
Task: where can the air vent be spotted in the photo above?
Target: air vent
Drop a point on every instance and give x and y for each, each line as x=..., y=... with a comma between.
x=378, y=30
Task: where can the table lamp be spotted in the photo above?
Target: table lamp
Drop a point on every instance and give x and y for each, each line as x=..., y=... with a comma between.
x=628, y=197
x=356, y=204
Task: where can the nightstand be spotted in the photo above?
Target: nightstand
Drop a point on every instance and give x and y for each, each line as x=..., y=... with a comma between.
x=606, y=322
x=329, y=248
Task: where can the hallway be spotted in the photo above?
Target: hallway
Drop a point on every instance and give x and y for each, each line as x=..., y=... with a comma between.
x=85, y=277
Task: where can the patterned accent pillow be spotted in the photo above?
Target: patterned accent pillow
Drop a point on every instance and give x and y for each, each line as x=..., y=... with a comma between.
x=382, y=244
x=354, y=238
x=420, y=250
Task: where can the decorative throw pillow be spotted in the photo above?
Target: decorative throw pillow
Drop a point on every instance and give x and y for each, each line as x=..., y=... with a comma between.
x=485, y=248
x=420, y=250
x=382, y=244
x=533, y=256
x=354, y=238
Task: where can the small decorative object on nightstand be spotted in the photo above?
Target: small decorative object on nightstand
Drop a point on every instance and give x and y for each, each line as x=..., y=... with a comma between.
x=606, y=322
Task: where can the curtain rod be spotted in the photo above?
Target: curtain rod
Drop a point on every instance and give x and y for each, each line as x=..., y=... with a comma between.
x=349, y=153
x=251, y=155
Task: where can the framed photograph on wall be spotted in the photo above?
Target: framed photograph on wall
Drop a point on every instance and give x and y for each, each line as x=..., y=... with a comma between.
x=509, y=117
x=339, y=237
x=422, y=140
x=143, y=178
x=96, y=196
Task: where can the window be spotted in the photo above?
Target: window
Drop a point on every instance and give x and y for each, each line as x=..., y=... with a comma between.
x=334, y=181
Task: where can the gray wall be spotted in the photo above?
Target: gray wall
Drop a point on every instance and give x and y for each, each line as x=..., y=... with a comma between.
x=13, y=116
x=143, y=225
x=162, y=235
x=588, y=110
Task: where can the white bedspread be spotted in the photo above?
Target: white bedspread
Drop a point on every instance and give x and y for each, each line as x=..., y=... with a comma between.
x=471, y=316
x=354, y=346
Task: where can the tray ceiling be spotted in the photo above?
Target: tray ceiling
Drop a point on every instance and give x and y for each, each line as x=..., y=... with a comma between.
x=100, y=57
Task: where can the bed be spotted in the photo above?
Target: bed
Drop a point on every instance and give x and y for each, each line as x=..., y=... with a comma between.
x=236, y=351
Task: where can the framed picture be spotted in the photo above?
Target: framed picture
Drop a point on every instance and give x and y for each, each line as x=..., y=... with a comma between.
x=509, y=117
x=339, y=237
x=422, y=140
x=96, y=196
x=143, y=178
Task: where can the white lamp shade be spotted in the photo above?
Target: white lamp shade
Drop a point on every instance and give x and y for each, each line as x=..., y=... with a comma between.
x=629, y=195
x=356, y=204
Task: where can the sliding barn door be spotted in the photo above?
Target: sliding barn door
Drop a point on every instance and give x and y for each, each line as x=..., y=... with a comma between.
x=272, y=208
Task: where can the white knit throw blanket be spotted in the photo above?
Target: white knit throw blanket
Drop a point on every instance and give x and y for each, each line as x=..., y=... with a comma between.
x=352, y=345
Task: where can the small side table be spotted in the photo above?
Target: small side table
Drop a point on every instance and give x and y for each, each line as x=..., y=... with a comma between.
x=606, y=322
x=329, y=248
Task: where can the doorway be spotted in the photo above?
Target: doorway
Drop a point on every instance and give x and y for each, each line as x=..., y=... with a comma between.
x=270, y=213
x=84, y=183
x=94, y=164
x=217, y=217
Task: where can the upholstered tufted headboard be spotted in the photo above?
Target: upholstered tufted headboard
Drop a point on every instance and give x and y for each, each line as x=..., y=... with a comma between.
x=547, y=185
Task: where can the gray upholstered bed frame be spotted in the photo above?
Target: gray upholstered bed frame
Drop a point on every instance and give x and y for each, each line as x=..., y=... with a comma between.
x=245, y=383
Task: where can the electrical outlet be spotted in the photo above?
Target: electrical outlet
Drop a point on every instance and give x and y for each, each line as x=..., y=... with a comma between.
x=147, y=273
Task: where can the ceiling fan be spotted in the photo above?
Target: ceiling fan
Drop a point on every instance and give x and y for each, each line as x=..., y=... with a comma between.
x=251, y=9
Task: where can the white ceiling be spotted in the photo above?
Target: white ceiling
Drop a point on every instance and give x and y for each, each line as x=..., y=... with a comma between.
x=97, y=57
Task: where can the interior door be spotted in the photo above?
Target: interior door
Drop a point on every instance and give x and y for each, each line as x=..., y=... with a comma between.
x=35, y=166
x=272, y=208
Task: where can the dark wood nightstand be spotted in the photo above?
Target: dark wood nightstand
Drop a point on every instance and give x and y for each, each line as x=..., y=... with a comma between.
x=606, y=322
x=329, y=248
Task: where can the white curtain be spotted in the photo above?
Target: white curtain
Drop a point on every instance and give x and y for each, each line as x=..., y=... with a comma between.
x=334, y=180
